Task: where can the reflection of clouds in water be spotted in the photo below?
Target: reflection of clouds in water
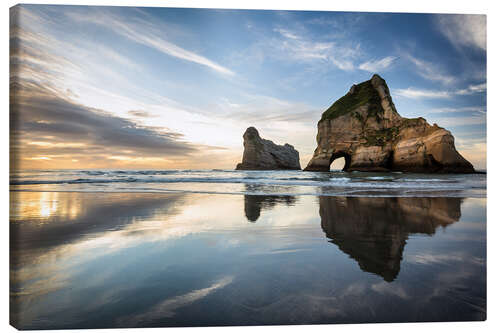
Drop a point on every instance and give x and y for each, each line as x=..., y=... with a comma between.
x=431, y=259
x=354, y=289
x=386, y=288
x=43, y=285
x=117, y=222
x=167, y=308
x=49, y=252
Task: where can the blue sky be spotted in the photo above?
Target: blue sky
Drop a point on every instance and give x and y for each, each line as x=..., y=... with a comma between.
x=176, y=88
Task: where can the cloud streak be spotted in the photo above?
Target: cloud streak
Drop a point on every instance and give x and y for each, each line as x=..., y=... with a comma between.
x=472, y=89
x=140, y=33
x=415, y=93
x=47, y=124
x=51, y=126
x=300, y=48
x=464, y=30
x=453, y=110
x=377, y=65
x=293, y=46
x=474, y=119
x=430, y=71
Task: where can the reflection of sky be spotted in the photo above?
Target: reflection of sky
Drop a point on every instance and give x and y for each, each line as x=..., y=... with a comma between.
x=121, y=75
x=195, y=259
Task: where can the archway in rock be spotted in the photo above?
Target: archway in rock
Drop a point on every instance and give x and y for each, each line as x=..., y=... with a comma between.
x=338, y=164
x=340, y=161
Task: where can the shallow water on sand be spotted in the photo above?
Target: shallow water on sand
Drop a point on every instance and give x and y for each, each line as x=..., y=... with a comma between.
x=95, y=260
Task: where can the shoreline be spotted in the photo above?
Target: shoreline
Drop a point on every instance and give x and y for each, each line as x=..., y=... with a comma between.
x=285, y=194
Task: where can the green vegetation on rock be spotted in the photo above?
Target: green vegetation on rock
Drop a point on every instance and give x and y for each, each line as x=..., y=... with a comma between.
x=358, y=116
x=363, y=94
x=381, y=137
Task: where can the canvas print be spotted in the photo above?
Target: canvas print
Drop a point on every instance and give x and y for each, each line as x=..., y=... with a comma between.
x=214, y=167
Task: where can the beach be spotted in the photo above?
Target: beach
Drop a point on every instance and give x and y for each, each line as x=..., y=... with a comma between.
x=194, y=167
x=273, y=255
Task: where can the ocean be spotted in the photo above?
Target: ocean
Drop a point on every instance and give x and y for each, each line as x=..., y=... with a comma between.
x=252, y=182
x=150, y=248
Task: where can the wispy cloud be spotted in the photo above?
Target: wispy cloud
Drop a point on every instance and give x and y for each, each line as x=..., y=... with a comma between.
x=475, y=119
x=296, y=46
x=464, y=30
x=378, y=65
x=473, y=89
x=452, y=117
x=48, y=123
x=415, y=93
x=38, y=112
x=430, y=71
x=261, y=108
x=142, y=34
x=304, y=49
x=114, y=56
x=287, y=33
x=454, y=110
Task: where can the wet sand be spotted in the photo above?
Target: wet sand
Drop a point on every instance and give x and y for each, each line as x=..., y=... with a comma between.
x=102, y=260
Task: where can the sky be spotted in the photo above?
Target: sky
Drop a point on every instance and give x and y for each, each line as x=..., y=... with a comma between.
x=173, y=88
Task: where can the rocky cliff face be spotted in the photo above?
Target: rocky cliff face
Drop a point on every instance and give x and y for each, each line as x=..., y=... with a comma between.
x=261, y=154
x=364, y=127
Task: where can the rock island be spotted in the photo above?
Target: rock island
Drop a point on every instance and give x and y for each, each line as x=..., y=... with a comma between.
x=262, y=154
x=365, y=128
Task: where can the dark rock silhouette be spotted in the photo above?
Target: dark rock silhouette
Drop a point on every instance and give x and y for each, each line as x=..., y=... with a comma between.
x=261, y=154
x=374, y=231
x=365, y=128
x=255, y=203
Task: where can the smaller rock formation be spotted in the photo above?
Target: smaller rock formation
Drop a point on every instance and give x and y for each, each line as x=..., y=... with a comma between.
x=261, y=154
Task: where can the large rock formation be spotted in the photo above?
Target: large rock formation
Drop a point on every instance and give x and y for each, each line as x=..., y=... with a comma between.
x=364, y=127
x=261, y=154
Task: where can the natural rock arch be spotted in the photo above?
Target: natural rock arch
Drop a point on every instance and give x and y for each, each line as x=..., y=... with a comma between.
x=341, y=154
x=365, y=126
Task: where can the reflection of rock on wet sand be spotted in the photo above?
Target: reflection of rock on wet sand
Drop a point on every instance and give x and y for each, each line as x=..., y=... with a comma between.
x=373, y=231
x=254, y=204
